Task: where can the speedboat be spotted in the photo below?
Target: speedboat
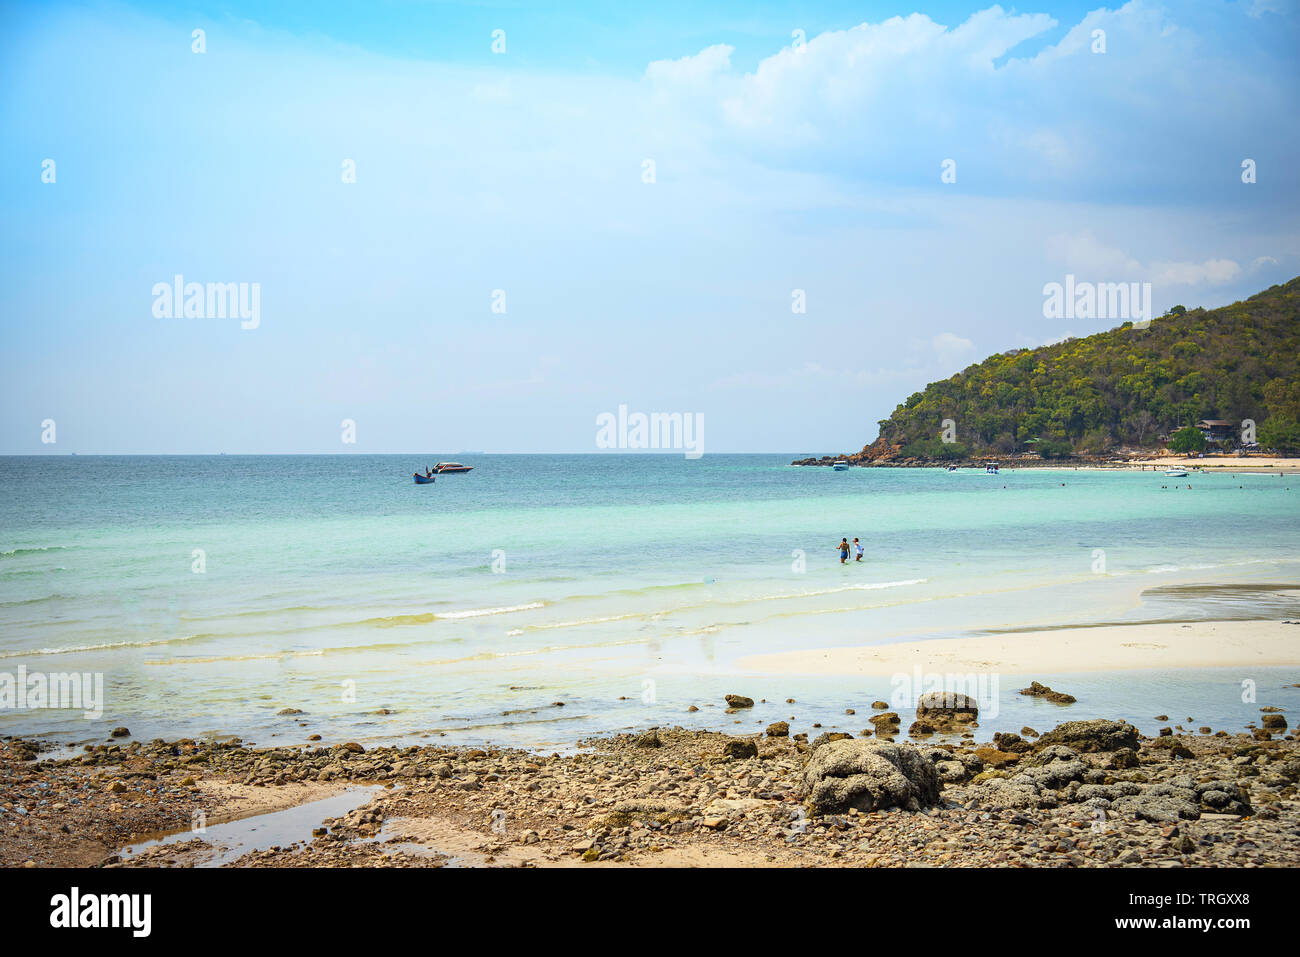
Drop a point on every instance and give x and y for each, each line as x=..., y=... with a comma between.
x=840, y=466
x=1175, y=472
x=446, y=467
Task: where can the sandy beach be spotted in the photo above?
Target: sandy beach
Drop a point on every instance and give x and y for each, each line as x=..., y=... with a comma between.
x=1212, y=644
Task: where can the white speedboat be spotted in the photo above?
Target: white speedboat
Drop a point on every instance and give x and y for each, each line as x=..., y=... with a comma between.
x=1175, y=472
x=840, y=466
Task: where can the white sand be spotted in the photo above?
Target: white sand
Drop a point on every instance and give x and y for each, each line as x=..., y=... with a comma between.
x=1111, y=648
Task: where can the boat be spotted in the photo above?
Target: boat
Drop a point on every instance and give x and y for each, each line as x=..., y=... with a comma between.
x=840, y=466
x=447, y=467
x=1175, y=472
x=422, y=479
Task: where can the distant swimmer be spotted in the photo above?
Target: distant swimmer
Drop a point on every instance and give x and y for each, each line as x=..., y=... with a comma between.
x=844, y=550
x=858, y=545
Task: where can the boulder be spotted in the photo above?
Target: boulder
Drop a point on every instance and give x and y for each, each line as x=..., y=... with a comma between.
x=739, y=701
x=826, y=737
x=1092, y=736
x=740, y=748
x=869, y=775
x=778, y=729
x=947, y=706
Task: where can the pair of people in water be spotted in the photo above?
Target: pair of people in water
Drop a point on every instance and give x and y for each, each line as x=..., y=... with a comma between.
x=844, y=550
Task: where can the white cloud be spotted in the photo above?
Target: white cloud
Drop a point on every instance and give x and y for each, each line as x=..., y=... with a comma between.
x=1087, y=258
x=950, y=349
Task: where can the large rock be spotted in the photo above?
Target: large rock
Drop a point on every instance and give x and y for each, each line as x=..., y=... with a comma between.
x=868, y=775
x=1092, y=736
x=947, y=706
x=740, y=748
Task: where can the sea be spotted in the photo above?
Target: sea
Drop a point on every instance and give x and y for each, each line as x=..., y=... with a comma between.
x=540, y=600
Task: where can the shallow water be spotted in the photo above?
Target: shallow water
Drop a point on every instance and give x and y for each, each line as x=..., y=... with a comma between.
x=624, y=586
x=231, y=840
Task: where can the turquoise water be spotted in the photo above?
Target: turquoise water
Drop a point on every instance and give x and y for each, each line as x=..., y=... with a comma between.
x=625, y=586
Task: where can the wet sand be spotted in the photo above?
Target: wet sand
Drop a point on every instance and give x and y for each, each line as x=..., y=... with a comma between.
x=1211, y=644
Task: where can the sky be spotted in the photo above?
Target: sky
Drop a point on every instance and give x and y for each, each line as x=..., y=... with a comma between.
x=480, y=226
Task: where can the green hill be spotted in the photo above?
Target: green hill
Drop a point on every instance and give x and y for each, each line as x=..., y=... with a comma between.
x=1128, y=386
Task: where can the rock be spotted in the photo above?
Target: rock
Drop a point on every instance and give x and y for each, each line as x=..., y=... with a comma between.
x=920, y=729
x=117, y=787
x=739, y=701
x=289, y=711
x=1273, y=722
x=1123, y=758
x=868, y=775
x=826, y=737
x=880, y=705
x=119, y=733
x=1092, y=736
x=1028, y=732
x=649, y=739
x=1011, y=742
x=947, y=706
x=354, y=747
x=778, y=729
x=740, y=748
x=995, y=758
x=1160, y=804
x=886, y=724
x=1037, y=690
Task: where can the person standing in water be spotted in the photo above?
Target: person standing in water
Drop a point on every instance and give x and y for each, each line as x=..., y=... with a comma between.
x=858, y=545
x=844, y=550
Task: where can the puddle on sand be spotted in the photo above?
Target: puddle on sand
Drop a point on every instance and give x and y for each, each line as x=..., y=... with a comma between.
x=233, y=839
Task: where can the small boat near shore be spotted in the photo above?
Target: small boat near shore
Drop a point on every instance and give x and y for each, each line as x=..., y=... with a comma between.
x=422, y=479
x=840, y=466
x=1175, y=472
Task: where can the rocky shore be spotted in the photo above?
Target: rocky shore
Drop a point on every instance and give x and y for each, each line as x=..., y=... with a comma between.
x=1084, y=794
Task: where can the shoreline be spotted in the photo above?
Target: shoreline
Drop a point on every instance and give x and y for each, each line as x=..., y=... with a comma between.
x=1220, y=464
x=1137, y=647
x=670, y=797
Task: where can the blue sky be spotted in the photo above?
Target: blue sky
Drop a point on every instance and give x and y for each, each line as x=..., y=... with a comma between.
x=776, y=169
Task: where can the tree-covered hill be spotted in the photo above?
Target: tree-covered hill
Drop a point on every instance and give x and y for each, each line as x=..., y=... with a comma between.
x=1128, y=386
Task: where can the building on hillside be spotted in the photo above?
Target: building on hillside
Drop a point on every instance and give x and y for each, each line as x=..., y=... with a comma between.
x=1218, y=430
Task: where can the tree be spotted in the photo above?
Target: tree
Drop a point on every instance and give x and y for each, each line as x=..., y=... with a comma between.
x=1280, y=434
x=1187, y=439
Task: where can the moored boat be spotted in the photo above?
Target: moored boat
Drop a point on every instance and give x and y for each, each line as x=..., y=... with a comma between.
x=446, y=467
x=840, y=466
x=1175, y=472
x=422, y=479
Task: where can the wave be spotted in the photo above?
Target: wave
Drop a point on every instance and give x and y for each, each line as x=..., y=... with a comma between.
x=424, y=618
x=35, y=550
x=103, y=646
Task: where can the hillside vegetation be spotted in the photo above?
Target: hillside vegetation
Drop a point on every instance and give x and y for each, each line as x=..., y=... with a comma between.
x=1128, y=386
